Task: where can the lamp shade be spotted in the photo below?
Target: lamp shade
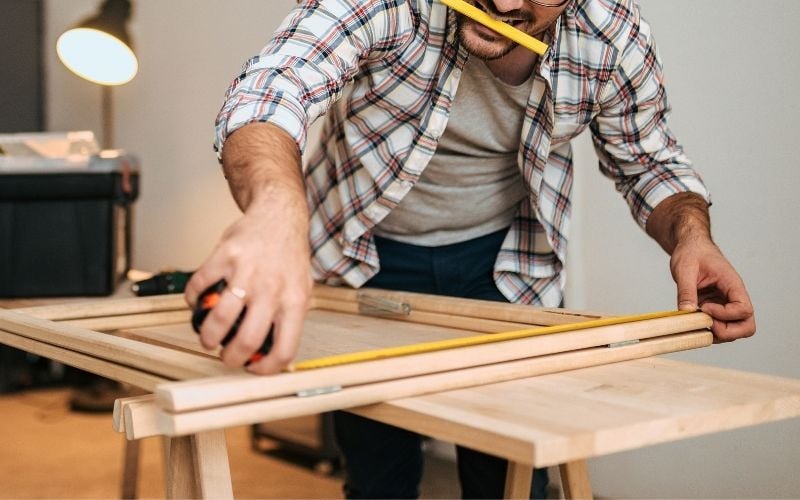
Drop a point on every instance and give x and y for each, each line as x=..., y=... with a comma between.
x=99, y=48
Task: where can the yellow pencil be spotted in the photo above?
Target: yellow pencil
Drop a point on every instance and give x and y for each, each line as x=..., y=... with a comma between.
x=504, y=29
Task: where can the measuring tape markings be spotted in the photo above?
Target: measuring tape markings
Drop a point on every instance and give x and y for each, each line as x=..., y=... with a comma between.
x=487, y=338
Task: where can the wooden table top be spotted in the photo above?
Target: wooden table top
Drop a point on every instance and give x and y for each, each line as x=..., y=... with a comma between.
x=574, y=415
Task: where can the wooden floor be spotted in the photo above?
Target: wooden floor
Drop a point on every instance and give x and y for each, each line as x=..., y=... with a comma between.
x=46, y=451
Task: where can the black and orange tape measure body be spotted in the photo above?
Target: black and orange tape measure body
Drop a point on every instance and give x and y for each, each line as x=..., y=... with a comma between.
x=207, y=300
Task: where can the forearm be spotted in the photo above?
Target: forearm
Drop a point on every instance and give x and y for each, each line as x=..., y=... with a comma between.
x=264, y=254
x=681, y=218
x=262, y=162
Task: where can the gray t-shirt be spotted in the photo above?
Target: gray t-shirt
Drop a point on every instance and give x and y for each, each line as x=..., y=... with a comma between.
x=472, y=185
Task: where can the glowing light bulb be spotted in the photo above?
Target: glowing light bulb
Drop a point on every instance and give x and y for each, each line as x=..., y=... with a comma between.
x=97, y=56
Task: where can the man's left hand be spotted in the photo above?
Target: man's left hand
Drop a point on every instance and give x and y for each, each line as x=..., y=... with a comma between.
x=707, y=281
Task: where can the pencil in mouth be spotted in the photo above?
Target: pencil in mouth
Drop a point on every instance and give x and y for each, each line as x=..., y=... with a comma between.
x=506, y=29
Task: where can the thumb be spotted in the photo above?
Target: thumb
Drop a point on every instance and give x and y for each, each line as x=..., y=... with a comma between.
x=686, y=279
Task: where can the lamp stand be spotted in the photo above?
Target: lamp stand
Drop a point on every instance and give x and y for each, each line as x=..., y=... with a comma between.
x=107, y=118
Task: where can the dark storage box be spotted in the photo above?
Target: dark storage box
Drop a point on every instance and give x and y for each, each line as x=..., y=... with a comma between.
x=66, y=231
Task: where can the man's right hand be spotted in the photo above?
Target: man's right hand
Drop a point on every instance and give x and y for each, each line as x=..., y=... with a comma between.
x=264, y=256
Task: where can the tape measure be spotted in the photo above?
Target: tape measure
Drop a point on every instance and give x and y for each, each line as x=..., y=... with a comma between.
x=207, y=300
x=486, y=338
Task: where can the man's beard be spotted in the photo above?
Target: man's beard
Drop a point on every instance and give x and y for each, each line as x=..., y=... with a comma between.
x=498, y=50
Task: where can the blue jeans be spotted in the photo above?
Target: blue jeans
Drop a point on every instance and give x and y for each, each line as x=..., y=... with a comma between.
x=382, y=461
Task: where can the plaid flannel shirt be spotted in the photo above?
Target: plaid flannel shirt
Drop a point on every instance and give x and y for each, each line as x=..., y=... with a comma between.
x=385, y=73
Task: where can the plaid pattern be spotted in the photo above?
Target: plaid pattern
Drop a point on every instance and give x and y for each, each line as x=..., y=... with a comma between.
x=386, y=72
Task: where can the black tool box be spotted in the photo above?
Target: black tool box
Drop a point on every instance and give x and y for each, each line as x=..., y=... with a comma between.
x=66, y=231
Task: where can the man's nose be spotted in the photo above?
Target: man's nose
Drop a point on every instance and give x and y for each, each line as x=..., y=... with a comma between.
x=508, y=5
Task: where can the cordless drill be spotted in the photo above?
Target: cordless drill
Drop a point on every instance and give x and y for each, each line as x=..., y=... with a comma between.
x=207, y=300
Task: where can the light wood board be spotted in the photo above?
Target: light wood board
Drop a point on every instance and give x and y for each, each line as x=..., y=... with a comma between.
x=252, y=410
x=574, y=415
x=155, y=359
x=209, y=392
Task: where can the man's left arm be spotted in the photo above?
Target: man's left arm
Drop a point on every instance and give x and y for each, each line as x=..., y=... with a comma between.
x=704, y=277
x=665, y=194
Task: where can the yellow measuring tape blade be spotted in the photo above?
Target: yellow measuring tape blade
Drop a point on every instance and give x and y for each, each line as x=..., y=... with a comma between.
x=485, y=338
x=504, y=29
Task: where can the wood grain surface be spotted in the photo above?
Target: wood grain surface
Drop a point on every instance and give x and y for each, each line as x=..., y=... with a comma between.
x=578, y=414
x=252, y=410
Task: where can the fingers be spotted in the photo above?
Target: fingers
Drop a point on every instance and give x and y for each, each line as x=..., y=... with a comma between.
x=728, y=331
x=706, y=280
x=221, y=319
x=288, y=330
x=686, y=279
x=731, y=310
x=251, y=333
x=206, y=275
x=732, y=319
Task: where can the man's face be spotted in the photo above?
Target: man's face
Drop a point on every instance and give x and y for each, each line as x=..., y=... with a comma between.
x=524, y=15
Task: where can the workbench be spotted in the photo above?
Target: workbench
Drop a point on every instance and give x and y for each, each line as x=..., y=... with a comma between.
x=569, y=398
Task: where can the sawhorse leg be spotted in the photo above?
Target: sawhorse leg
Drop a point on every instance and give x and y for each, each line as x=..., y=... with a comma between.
x=130, y=470
x=197, y=466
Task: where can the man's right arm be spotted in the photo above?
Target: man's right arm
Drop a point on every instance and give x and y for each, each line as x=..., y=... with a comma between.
x=261, y=132
x=265, y=253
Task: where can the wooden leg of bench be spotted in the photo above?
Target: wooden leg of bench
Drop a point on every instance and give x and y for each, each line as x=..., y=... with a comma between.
x=180, y=474
x=211, y=464
x=518, y=480
x=130, y=470
x=575, y=480
x=197, y=467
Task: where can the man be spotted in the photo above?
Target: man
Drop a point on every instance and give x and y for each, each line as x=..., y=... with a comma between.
x=445, y=167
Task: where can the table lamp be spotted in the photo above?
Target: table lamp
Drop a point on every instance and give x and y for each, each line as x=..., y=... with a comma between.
x=99, y=49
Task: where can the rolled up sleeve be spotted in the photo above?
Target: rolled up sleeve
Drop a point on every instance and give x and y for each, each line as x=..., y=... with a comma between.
x=635, y=146
x=304, y=68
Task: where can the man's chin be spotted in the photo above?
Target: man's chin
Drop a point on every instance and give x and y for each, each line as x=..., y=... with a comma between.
x=484, y=47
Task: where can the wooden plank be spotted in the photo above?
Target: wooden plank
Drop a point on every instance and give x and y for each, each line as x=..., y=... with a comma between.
x=142, y=379
x=575, y=480
x=427, y=318
x=106, y=307
x=211, y=392
x=518, y=480
x=140, y=418
x=110, y=323
x=155, y=359
x=292, y=406
x=175, y=336
x=596, y=411
x=499, y=311
x=476, y=340
x=119, y=409
x=489, y=310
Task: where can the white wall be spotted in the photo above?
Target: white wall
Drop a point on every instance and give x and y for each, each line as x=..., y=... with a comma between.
x=732, y=76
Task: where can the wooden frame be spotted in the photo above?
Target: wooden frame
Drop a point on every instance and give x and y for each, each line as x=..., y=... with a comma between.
x=196, y=392
x=196, y=395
